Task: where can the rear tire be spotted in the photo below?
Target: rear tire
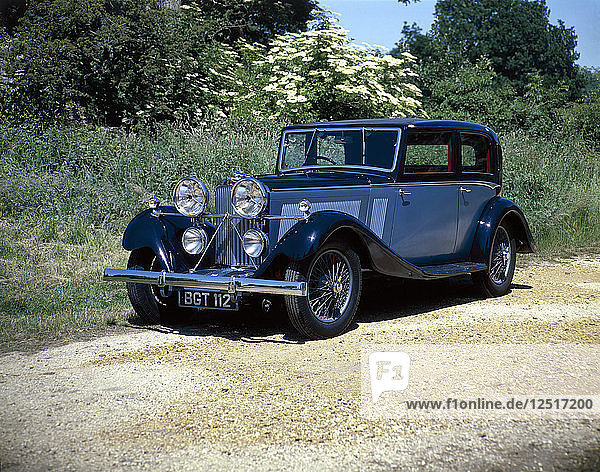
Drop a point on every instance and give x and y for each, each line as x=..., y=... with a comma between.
x=148, y=303
x=334, y=282
x=496, y=280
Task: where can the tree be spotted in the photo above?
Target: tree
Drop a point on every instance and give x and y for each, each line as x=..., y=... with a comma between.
x=515, y=35
x=320, y=75
x=253, y=20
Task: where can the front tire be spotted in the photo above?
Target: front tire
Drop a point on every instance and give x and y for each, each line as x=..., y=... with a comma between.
x=496, y=280
x=149, y=304
x=334, y=282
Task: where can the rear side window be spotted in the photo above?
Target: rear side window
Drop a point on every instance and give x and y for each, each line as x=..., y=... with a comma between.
x=476, y=153
x=428, y=152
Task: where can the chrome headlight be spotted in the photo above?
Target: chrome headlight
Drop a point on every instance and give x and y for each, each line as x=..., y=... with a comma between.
x=254, y=242
x=190, y=196
x=194, y=240
x=248, y=197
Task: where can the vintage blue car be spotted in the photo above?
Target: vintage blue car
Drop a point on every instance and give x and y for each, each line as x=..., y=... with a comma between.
x=410, y=198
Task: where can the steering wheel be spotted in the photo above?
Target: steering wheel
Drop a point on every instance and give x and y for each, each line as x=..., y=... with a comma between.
x=326, y=159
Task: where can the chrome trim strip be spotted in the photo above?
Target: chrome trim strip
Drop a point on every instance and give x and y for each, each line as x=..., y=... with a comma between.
x=227, y=284
x=445, y=182
x=392, y=184
x=341, y=166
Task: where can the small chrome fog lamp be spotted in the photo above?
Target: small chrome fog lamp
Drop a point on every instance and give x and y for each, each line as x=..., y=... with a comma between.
x=194, y=240
x=254, y=242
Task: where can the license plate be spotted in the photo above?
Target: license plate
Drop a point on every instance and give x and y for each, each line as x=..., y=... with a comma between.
x=203, y=299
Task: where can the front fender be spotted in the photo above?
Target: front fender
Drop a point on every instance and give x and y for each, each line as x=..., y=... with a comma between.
x=161, y=234
x=307, y=236
x=505, y=211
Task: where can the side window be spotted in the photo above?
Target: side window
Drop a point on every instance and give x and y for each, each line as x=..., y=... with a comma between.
x=336, y=148
x=380, y=148
x=476, y=153
x=428, y=152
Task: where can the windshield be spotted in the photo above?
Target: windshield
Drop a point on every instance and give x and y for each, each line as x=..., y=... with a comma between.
x=359, y=147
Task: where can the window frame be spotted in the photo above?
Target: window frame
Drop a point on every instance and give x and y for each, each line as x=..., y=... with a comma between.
x=400, y=133
x=495, y=170
x=430, y=176
x=492, y=161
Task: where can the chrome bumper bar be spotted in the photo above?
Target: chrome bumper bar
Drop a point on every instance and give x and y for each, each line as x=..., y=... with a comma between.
x=227, y=284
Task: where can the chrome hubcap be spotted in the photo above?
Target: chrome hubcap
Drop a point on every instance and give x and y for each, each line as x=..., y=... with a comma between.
x=329, y=286
x=500, y=257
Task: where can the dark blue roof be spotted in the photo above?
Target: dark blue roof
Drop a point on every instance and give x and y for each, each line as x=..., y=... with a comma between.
x=397, y=122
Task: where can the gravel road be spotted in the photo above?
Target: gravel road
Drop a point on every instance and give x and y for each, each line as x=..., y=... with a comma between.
x=242, y=392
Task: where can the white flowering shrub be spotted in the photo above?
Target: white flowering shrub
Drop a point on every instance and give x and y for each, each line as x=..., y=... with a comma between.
x=321, y=75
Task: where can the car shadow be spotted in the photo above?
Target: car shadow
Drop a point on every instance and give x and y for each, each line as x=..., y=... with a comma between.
x=383, y=298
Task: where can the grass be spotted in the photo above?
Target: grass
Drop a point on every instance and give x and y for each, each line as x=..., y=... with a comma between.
x=557, y=185
x=66, y=195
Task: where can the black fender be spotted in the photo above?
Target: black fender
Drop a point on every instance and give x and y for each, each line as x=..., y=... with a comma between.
x=305, y=238
x=505, y=211
x=162, y=234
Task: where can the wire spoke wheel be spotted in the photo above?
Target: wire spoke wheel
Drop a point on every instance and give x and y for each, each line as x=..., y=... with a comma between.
x=496, y=280
x=500, y=257
x=334, y=281
x=329, y=285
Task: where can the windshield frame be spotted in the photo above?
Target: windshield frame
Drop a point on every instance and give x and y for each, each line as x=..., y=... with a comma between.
x=330, y=167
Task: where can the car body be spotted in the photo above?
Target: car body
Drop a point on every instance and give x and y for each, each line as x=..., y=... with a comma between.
x=411, y=198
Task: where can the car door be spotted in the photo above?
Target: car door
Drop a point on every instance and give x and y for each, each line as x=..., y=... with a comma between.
x=426, y=210
x=477, y=187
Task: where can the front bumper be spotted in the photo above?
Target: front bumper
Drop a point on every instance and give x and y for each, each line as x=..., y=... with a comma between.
x=230, y=284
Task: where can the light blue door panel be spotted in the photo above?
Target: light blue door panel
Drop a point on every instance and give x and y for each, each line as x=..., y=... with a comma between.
x=472, y=199
x=425, y=220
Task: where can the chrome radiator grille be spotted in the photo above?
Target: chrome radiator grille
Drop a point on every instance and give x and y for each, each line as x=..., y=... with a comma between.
x=228, y=244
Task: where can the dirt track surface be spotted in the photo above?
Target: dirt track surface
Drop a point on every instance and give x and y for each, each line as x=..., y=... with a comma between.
x=242, y=392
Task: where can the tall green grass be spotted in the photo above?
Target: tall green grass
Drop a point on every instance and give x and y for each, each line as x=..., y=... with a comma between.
x=557, y=185
x=66, y=195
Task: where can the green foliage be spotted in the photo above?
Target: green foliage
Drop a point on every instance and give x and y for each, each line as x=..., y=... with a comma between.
x=320, y=75
x=556, y=182
x=513, y=37
x=252, y=20
x=125, y=61
x=133, y=61
x=516, y=35
x=472, y=93
x=580, y=121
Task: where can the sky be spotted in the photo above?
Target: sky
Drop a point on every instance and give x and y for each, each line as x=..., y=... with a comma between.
x=380, y=21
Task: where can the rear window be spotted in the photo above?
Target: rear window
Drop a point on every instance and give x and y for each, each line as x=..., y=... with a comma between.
x=475, y=152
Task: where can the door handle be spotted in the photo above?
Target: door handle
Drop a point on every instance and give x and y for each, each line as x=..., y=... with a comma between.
x=463, y=189
x=402, y=193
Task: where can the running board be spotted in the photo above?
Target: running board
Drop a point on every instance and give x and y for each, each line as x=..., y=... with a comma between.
x=449, y=270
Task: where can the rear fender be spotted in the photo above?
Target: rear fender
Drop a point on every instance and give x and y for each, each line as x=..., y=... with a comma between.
x=501, y=211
